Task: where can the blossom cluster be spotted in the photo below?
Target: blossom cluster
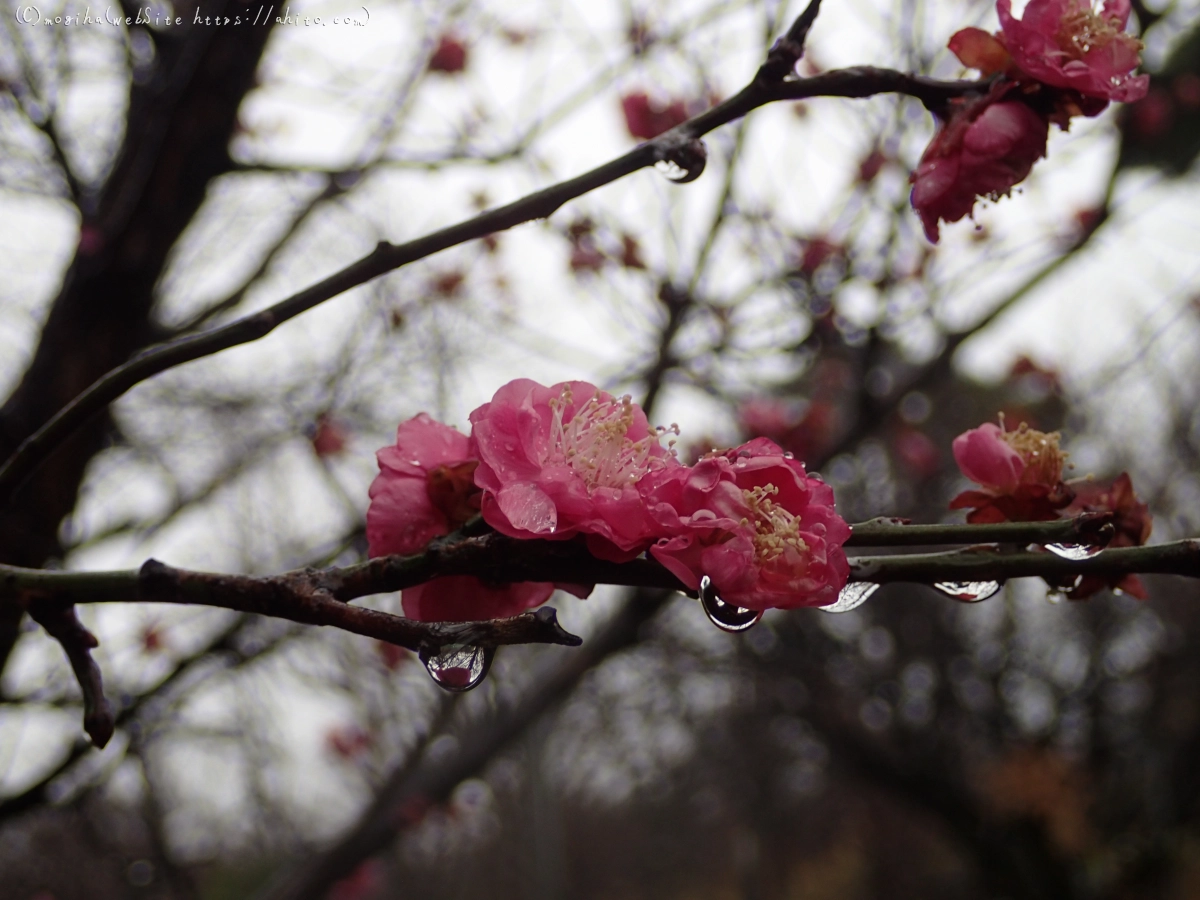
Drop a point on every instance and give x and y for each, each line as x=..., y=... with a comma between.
x=1020, y=478
x=1062, y=58
x=572, y=462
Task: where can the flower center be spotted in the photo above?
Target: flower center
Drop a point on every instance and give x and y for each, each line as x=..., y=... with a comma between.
x=1040, y=452
x=595, y=444
x=1082, y=30
x=775, y=529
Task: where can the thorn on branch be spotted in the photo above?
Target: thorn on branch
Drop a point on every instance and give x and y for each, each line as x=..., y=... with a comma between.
x=62, y=624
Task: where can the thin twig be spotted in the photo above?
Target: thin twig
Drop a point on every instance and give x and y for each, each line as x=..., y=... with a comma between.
x=62, y=624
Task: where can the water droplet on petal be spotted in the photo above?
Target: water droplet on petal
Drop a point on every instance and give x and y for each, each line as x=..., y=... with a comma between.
x=1075, y=551
x=724, y=615
x=968, y=591
x=852, y=596
x=789, y=455
x=457, y=667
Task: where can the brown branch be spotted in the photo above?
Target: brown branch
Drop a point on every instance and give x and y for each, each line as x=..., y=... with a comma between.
x=62, y=624
x=679, y=145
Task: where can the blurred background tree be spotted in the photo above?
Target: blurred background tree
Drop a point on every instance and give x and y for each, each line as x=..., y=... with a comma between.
x=158, y=180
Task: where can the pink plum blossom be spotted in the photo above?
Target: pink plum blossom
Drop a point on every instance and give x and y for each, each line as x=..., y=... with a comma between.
x=765, y=533
x=988, y=145
x=564, y=460
x=1068, y=44
x=425, y=490
x=1019, y=473
x=1063, y=44
x=1131, y=521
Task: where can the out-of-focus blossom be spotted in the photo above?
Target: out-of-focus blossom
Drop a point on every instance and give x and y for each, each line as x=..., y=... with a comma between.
x=392, y=656
x=804, y=431
x=872, y=165
x=1069, y=44
x=348, y=741
x=815, y=252
x=424, y=490
x=328, y=436
x=646, y=118
x=1131, y=527
x=988, y=145
x=153, y=638
x=751, y=520
x=918, y=453
x=91, y=240
x=631, y=253
x=365, y=881
x=564, y=460
x=1020, y=473
x=449, y=57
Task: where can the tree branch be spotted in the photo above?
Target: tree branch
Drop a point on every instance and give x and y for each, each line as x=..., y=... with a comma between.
x=679, y=145
x=886, y=532
x=993, y=564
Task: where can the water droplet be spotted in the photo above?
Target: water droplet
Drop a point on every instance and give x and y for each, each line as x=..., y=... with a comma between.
x=457, y=667
x=968, y=591
x=672, y=171
x=724, y=615
x=789, y=455
x=1075, y=551
x=853, y=595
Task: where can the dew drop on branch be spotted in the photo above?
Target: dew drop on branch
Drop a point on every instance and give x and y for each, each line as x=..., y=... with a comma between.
x=1075, y=551
x=968, y=591
x=726, y=616
x=852, y=596
x=457, y=667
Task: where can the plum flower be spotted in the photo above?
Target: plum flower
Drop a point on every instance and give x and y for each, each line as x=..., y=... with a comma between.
x=1068, y=44
x=987, y=146
x=564, y=460
x=424, y=490
x=1063, y=44
x=764, y=532
x=1062, y=58
x=1131, y=527
x=1020, y=473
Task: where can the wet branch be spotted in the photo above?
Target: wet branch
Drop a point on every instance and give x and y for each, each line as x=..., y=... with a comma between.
x=994, y=564
x=1088, y=527
x=775, y=81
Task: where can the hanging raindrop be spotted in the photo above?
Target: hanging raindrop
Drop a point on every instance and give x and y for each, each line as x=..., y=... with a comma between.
x=457, y=667
x=852, y=596
x=968, y=591
x=684, y=162
x=1075, y=551
x=724, y=615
